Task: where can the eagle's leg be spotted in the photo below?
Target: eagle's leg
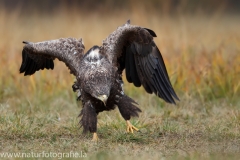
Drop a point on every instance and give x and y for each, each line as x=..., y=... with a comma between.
x=95, y=137
x=128, y=109
x=130, y=127
x=89, y=119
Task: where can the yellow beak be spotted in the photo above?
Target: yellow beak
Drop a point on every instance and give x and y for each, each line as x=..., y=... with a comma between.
x=103, y=98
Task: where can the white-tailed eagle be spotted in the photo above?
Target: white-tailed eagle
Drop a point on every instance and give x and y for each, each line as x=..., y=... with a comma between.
x=99, y=72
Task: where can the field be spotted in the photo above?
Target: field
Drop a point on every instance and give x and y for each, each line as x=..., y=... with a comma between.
x=202, y=55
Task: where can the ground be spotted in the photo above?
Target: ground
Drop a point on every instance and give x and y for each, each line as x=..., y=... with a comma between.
x=190, y=129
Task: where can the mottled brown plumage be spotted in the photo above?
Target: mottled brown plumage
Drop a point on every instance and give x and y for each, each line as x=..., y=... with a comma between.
x=99, y=72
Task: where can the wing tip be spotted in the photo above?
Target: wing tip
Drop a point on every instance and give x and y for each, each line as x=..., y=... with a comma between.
x=151, y=32
x=26, y=42
x=173, y=99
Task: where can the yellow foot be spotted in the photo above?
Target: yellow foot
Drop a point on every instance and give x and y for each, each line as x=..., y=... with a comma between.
x=130, y=127
x=95, y=137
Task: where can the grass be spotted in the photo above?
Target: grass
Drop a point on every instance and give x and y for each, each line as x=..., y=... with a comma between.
x=39, y=113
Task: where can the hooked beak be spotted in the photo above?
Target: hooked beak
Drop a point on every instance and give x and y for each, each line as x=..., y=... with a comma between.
x=103, y=98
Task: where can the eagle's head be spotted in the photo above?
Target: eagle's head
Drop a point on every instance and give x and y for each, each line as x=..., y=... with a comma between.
x=99, y=87
x=98, y=78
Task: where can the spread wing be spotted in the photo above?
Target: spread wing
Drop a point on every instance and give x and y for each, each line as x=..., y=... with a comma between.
x=132, y=48
x=36, y=56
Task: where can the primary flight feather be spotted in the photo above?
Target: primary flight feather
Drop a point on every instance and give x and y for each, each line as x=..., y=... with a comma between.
x=99, y=71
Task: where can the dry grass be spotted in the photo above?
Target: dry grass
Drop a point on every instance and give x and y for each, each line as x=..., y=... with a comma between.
x=202, y=54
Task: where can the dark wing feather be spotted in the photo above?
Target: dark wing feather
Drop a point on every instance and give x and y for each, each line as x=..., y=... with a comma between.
x=151, y=32
x=131, y=71
x=143, y=62
x=33, y=63
x=36, y=56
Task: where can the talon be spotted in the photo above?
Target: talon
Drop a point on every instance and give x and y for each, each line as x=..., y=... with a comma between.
x=130, y=127
x=95, y=137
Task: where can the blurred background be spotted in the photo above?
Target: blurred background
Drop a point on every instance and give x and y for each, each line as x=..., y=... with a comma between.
x=199, y=41
x=171, y=6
